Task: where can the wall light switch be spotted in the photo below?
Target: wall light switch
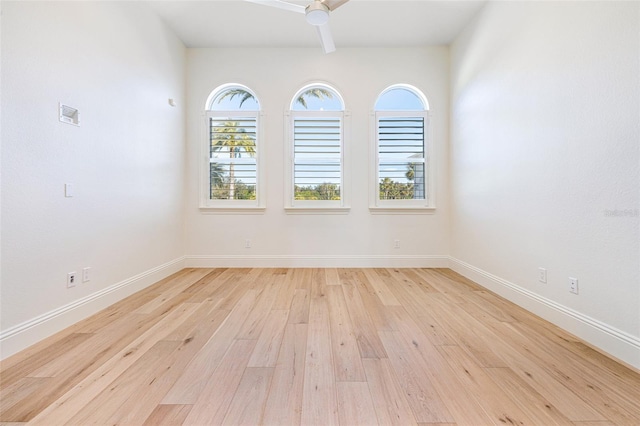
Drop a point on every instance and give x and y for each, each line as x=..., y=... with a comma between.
x=68, y=190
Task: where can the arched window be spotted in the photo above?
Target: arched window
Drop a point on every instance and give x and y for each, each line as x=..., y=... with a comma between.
x=232, y=148
x=401, y=148
x=316, y=148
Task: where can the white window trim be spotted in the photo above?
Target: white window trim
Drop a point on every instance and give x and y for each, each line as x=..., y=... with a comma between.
x=317, y=206
x=378, y=206
x=207, y=205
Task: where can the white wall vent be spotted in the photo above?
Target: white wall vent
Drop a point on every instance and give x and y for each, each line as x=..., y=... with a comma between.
x=69, y=115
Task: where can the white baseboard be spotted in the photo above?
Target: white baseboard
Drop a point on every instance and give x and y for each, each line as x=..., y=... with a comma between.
x=619, y=344
x=23, y=335
x=319, y=261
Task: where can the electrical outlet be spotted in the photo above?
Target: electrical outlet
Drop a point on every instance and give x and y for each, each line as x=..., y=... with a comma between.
x=247, y=243
x=573, y=285
x=396, y=243
x=542, y=275
x=86, y=274
x=71, y=279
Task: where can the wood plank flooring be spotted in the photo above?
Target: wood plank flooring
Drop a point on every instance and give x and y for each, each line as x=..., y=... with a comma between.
x=315, y=346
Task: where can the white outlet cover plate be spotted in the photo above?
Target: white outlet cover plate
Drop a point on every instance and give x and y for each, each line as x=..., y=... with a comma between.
x=573, y=285
x=542, y=275
x=71, y=279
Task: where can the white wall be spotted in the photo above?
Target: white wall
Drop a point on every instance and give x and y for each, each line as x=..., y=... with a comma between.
x=356, y=239
x=119, y=65
x=544, y=155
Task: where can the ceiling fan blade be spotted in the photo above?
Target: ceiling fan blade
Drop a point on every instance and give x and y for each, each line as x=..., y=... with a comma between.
x=334, y=4
x=324, y=32
x=280, y=5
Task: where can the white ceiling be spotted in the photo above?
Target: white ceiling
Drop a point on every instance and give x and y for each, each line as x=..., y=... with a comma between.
x=359, y=23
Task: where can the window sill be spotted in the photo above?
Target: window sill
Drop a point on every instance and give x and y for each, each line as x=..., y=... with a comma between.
x=232, y=210
x=317, y=210
x=402, y=210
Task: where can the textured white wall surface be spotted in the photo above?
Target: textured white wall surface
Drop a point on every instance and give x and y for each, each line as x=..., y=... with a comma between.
x=360, y=75
x=545, y=156
x=118, y=65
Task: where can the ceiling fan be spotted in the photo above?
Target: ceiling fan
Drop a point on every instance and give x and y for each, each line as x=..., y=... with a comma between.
x=316, y=13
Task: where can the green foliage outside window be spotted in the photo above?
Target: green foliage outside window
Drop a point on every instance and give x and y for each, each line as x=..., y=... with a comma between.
x=324, y=191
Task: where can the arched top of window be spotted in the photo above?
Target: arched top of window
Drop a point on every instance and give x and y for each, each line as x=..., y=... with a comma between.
x=317, y=97
x=402, y=97
x=233, y=97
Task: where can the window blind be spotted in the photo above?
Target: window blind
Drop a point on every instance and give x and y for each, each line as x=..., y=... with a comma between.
x=232, y=158
x=401, y=157
x=317, y=171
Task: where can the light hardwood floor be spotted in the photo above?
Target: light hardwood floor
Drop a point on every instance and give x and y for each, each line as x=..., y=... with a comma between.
x=316, y=346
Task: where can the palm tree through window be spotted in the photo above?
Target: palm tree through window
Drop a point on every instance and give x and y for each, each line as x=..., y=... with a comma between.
x=232, y=128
